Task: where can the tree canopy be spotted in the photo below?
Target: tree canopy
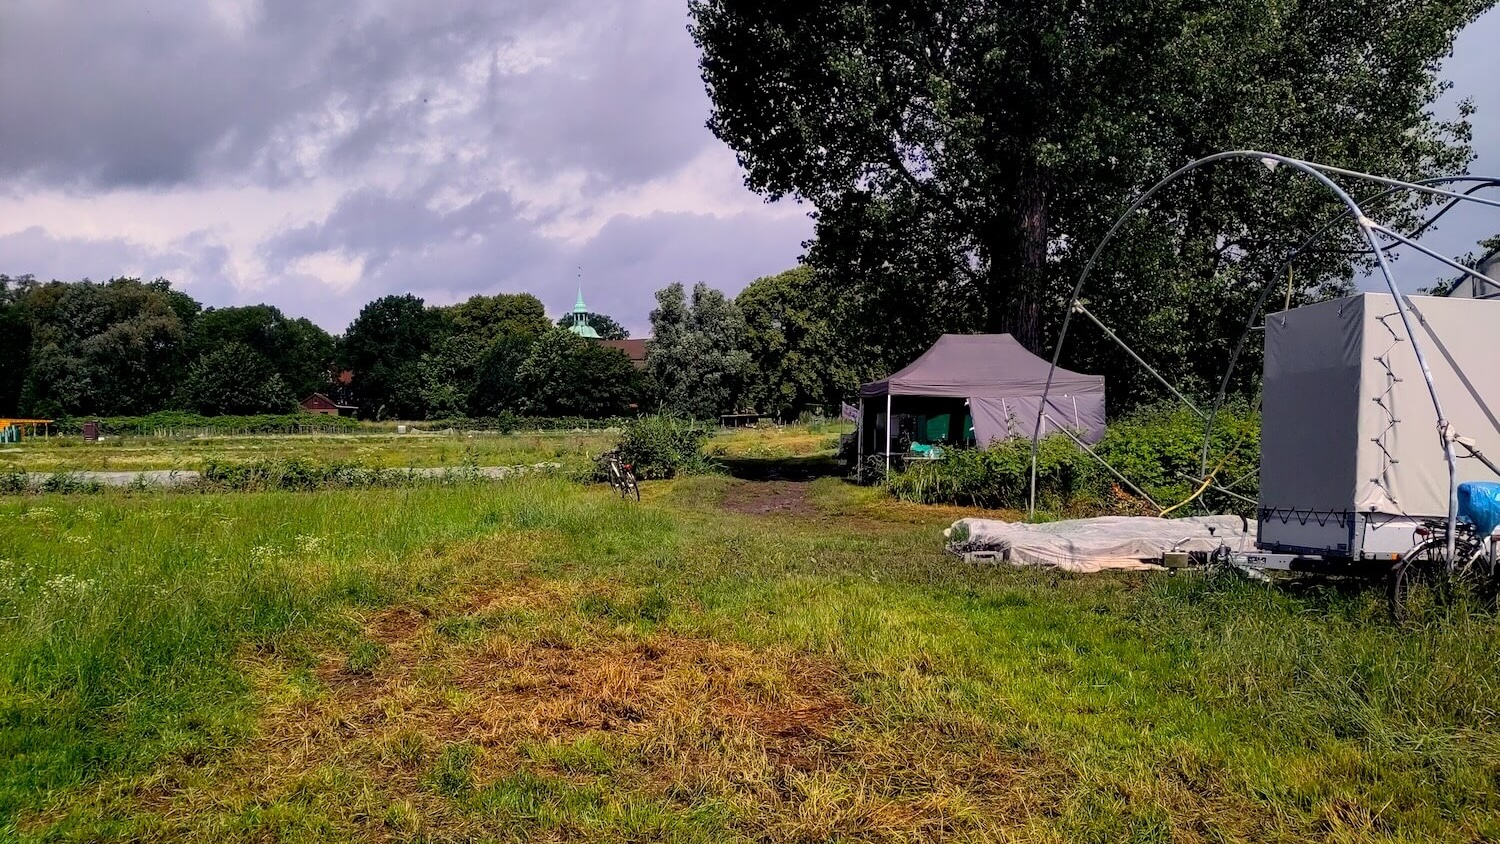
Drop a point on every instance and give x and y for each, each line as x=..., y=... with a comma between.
x=798, y=361
x=697, y=358
x=234, y=378
x=296, y=349
x=566, y=375
x=115, y=347
x=963, y=157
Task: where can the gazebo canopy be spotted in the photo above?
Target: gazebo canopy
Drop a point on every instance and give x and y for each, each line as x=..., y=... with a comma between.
x=979, y=366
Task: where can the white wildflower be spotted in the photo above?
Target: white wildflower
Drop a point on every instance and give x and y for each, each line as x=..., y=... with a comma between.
x=65, y=585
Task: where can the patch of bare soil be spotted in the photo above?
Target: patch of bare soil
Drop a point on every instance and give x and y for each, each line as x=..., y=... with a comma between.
x=767, y=498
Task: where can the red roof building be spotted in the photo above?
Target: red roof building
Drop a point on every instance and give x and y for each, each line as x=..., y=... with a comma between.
x=633, y=349
x=319, y=403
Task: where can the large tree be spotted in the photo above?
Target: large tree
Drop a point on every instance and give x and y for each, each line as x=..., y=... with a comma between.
x=697, y=358
x=497, y=384
x=970, y=153
x=486, y=317
x=234, y=378
x=798, y=359
x=15, y=341
x=297, y=350
x=567, y=375
x=113, y=348
x=384, y=346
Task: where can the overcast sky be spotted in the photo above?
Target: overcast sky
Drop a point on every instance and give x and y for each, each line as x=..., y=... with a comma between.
x=318, y=155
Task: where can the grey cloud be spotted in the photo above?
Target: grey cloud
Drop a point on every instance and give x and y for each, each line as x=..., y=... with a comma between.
x=109, y=94
x=35, y=251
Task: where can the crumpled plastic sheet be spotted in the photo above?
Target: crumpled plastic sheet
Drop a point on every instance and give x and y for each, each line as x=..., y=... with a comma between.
x=1091, y=545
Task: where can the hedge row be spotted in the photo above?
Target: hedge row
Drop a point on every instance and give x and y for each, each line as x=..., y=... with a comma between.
x=176, y=423
x=508, y=422
x=172, y=421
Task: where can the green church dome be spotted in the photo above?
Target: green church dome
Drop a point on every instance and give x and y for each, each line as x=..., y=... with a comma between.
x=580, y=314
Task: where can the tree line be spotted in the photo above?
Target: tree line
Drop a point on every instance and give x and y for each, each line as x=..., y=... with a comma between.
x=962, y=158
x=132, y=347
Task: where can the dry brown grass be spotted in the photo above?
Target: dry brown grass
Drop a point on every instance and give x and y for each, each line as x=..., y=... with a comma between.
x=521, y=681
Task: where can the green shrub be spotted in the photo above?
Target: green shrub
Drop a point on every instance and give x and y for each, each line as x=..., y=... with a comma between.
x=1000, y=476
x=664, y=447
x=296, y=474
x=1160, y=450
x=13, y=482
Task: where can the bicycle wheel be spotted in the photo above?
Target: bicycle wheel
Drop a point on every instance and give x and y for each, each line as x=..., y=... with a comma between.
x=1474, y=580
x=631, y=487
x=1418, y=583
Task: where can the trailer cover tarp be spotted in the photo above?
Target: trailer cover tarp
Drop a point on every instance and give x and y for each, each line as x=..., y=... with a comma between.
x=1003, y=383
x=1348, y=425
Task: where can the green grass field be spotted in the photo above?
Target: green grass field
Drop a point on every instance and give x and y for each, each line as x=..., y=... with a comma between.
x=726, y=661
x=374, y=450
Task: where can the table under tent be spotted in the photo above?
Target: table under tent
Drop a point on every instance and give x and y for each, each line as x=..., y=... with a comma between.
x=973, y=389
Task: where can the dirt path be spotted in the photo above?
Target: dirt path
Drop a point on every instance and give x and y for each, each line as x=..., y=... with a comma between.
x=765, y=498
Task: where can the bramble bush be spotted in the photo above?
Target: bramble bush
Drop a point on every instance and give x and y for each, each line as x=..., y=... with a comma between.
x=664, y=447
x=1159, y=449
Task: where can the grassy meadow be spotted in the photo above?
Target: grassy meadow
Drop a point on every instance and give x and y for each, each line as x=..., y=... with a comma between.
x=372, y=450
x=728, y=660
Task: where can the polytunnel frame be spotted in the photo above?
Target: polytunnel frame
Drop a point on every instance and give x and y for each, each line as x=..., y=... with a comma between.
x=1368, y=228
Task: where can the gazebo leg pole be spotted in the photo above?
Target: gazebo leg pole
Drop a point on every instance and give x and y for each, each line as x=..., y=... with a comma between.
x=859, y=442
x=888, y=420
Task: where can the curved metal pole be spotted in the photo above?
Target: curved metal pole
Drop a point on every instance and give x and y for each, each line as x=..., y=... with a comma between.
x=1402, y=239
x=1419, y=185
x=1483, y=182
x=1317, y=172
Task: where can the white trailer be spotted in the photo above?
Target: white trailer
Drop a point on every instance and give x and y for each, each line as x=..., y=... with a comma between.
x=1351, y=455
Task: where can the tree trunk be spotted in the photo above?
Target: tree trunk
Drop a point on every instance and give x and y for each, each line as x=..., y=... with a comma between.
x=1017, y=252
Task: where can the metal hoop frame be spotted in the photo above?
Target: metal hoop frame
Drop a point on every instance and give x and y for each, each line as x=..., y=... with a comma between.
x=1371, y=232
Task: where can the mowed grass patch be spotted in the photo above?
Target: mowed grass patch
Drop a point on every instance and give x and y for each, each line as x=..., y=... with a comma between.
x=121, y=616
x=571, y=667
x=772, y=441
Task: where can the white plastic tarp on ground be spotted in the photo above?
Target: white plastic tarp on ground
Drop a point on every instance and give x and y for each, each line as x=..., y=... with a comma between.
x=1091, y=545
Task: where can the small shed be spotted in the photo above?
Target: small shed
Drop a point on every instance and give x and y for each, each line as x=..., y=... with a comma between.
x=319, y=403
x=973, y=389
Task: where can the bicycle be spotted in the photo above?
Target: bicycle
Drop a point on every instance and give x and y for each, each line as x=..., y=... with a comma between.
x=622, y=476
x=1424, y=575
